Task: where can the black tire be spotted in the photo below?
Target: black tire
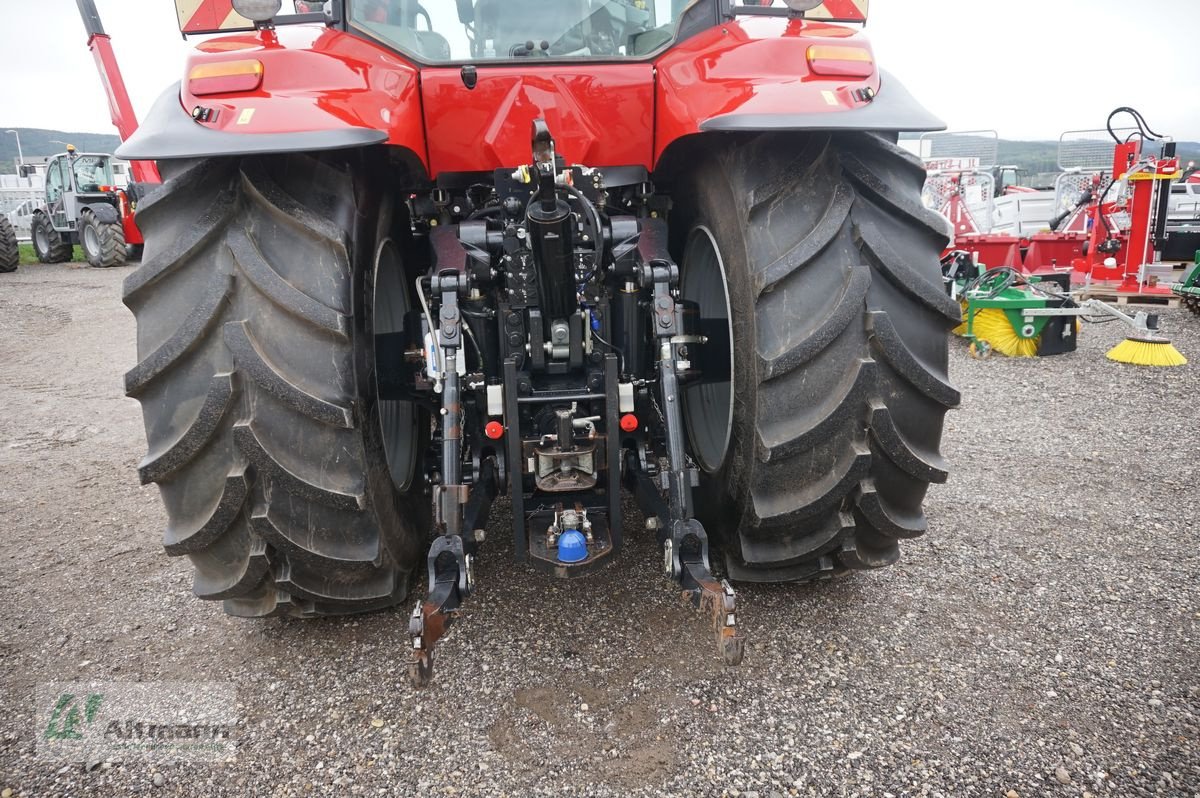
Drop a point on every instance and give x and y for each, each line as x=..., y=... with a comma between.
x=840, y=342
x=48, y=243
x=103, y=243
x=10, y=254
x=256, y=377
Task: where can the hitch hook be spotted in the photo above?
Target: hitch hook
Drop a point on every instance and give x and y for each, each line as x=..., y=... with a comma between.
x=450, y=581
x=703, y=591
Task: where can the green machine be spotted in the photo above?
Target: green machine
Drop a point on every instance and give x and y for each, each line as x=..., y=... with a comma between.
x=1009, y=313
x=1189, y=289
x=1032, y=316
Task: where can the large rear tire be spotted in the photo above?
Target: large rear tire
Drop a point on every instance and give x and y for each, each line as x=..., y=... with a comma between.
x=816, y=457
x=10, y=254
x=103, y=243
x=48, y=243
x=256, y=326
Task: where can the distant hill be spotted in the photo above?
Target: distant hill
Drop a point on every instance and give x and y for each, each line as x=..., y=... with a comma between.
x=1042, y=156
x=38, y=143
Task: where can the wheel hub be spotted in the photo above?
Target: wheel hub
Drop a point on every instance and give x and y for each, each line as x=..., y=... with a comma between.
x=91, y=241
x=397, y=417
x=708, y=405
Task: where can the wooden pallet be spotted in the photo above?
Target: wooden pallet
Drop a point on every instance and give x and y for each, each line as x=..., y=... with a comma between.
x=1122, y=298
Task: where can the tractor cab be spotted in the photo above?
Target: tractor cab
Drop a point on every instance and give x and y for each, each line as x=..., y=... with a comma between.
x=440, y=30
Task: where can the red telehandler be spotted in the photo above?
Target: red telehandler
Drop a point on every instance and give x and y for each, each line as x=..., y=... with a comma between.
x=82, y=203
x=412, y=256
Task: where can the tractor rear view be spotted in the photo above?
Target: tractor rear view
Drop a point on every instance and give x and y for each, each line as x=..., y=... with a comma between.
x=410, y=257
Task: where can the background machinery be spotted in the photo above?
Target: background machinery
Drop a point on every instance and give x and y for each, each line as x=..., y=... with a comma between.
x=976, y=194
x=1117, y=213
x=1021, y=315
x=1188, y=288
x=84, y=203
x=84, y=206
x=409, y=257
x=10, y=256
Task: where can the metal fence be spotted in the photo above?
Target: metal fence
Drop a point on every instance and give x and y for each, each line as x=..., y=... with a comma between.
x=976, y=188
x=20, y=211
x=1089, y=150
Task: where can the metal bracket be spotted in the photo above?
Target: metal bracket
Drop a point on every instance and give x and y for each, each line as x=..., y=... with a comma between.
x=689, y=546
x=450, y=581
x=448, y=564
x=684, y=541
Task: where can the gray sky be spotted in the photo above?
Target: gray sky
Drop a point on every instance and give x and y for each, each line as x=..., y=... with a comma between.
x=1026, y=68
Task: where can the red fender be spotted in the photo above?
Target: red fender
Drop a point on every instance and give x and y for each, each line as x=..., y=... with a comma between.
x=755, y=73
x=321, y=89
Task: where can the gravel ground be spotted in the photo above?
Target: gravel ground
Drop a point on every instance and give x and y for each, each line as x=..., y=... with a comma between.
x=1041, y=641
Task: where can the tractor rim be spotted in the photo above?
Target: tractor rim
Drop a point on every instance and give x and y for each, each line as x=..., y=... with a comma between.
x=708, y=405
x=397, y=418
x=91, y=241
x=40, y=238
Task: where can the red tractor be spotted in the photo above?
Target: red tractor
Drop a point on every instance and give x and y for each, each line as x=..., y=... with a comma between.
x=412, y=256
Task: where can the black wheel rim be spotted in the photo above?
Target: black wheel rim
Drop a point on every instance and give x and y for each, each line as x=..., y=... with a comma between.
x=397, y=418
x=708, y=404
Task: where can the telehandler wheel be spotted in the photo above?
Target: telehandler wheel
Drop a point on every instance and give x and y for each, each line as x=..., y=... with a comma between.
x=10, y=254
x=256, y=310
x=815, y=457
x=103, y=244
x=48, y=244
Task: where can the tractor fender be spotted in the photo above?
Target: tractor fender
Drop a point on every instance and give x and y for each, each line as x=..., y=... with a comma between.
x=320, y=89
x=893, y=109
x=105, y=213
x=756, y=76
x=169, y=132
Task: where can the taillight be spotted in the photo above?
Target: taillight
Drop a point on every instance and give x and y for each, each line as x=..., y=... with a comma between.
x=841, y=61
x=225, y=77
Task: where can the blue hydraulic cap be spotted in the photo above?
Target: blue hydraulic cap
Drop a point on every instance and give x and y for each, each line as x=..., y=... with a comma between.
x=572, y=546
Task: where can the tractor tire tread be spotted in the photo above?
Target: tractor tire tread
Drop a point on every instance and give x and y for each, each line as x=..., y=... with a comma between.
x=57, y=250
x=273, y=489
x=110, y=237
x=10, y=253
x=843, y=405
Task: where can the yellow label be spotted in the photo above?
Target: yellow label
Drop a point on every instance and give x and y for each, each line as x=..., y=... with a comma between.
x=1155, y=176
x=245, y=116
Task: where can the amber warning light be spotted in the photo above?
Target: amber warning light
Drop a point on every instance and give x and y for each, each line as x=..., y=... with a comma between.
x=841, y=62
x=225, y=77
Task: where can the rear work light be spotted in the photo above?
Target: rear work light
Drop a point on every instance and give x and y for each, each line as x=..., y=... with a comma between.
x=841, y=61
x=225, y=77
